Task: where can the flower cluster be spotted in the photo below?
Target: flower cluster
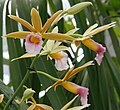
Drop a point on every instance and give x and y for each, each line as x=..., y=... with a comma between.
x=39, y=41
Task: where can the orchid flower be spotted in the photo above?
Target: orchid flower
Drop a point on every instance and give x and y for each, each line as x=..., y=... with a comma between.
x=37, y=27
x=33, y=38
x=91, y=44
x=72, y=87
x=60, y=60
x=98, y=48
x=55, y=51
x=76, y=89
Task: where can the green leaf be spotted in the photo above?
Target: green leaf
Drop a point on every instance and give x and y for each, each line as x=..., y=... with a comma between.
x=1, y=47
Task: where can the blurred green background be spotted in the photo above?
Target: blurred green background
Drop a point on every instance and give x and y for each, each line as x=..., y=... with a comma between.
x=103, y=81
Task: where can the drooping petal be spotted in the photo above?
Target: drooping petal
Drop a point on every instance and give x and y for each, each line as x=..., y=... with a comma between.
x=83, y=92
x=36, y=20
x=33, y=43
x=57, y=36
x=76, y=89
x=61, y=65
x=60, y=60
x=49, y=21
x=23, y=22
x=100, y=54
x=19, y=35
x=96, y=47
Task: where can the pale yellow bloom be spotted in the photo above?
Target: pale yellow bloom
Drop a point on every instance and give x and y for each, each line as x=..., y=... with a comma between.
x=1, y=97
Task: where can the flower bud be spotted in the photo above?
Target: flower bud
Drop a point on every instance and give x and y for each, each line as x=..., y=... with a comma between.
x=28, y=93
x=77, y=8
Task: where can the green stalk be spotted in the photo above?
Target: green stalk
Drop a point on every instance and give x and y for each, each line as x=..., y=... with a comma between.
x=21, y=84
x=45, y=74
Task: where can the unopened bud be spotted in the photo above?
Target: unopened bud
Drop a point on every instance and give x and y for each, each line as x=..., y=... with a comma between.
x=77, y=8
x=28, y=93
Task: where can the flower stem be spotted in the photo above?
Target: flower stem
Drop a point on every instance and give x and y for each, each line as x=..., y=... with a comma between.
x=45, y=74
x=21, y=84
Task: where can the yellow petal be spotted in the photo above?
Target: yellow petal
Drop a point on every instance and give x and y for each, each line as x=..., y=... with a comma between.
x=72, y=31
x=32, y=107
x=68, y=74
x=19, y=35
x=91, y=44
x=27, y=55
x=45, y=107
x=90, y=29
x=58, y=49
x=77, y=70
x=36, y=20
x=49, y=45
x=23, y=22
x=69, y=103
x=49, y=21
x=57, y=84
x=57, y=36
x=56, y=44
x=55, y=29
x=100, y=29
x=79, y=107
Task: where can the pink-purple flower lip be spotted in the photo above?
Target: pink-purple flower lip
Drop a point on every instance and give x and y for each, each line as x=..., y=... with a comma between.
x=33, y=43
x=33, y=38
x=60, y=60
x=100, y=54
